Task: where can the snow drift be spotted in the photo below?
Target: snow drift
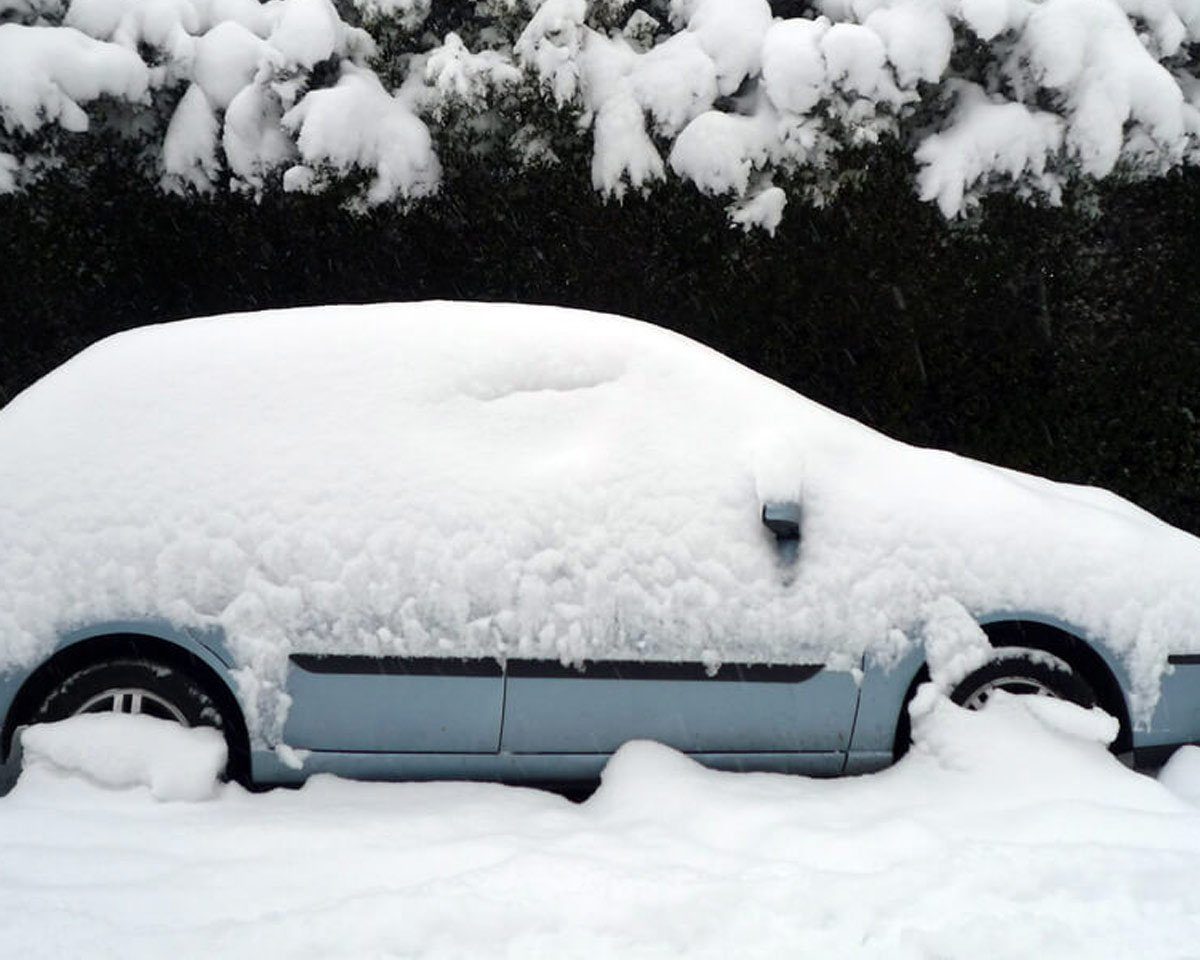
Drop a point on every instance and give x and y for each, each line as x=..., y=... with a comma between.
x=497, y=480
x=999, y=835
x=121, y=751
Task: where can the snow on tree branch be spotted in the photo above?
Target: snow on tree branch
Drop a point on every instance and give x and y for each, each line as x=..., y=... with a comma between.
x=47, y=72
x=1013, y=95
x=357, y=124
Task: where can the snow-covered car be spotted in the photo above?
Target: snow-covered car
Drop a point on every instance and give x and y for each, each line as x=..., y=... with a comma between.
x=498, y=541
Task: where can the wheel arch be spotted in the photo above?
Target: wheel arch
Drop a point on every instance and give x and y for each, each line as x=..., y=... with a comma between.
x=196, y=660
x=1067, y=644
x=1052, y=637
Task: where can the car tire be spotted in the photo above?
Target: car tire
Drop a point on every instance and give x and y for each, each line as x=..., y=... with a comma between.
x=1021, y=670
x=138, y=686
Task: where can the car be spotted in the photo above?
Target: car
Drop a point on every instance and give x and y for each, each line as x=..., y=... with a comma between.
x=497, y=541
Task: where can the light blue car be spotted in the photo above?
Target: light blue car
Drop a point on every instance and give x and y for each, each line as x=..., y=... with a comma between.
x=182, y=510
x=536, y=721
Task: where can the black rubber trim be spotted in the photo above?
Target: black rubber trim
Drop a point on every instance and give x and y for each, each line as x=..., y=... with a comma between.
x=1184, y=659
x=397, y=666
x=661, y=670
x=358, y=664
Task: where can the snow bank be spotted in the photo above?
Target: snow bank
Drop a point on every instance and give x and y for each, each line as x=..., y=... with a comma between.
x=120, y=751
x=997, y=836
x=1018, y=751
x=1181, y=774
x=1060, y=748
x=499, y=480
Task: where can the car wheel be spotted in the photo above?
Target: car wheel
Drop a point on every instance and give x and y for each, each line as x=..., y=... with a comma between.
x=1021, y=670
x=134, y=686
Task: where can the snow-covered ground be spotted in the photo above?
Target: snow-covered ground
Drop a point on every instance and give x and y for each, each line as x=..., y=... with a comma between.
x=1006, y=833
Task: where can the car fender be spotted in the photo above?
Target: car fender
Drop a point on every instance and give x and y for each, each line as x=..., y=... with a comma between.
x=207, y=646
x=885, y=689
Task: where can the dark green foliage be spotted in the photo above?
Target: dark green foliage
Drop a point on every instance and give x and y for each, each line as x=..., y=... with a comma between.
x=1046, y=340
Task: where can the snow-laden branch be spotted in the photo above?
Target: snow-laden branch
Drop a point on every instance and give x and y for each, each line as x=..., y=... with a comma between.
x=1016, y=95
x=47, y=72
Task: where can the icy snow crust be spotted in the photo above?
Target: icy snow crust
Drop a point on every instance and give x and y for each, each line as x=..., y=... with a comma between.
x=496, y=480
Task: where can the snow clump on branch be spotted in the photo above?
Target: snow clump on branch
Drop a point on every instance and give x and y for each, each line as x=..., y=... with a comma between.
x=986, y=95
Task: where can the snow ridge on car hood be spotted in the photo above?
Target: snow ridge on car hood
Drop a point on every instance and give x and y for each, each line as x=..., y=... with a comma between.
x=471, y=479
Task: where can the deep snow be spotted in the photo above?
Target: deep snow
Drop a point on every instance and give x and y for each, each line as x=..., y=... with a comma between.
x=123, y=750
x=502, y=480
x=1010, y=833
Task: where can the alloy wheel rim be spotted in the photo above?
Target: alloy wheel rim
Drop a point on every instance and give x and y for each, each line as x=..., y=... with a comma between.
x=1026, y=686
x=133, y=701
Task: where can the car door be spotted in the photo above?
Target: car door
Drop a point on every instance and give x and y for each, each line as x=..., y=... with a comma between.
x=394, y=704
x=744, y=709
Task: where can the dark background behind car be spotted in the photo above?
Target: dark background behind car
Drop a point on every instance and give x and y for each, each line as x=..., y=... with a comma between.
x=1061, y=341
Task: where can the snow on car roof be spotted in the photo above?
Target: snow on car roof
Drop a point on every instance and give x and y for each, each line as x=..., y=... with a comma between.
x=493, y=479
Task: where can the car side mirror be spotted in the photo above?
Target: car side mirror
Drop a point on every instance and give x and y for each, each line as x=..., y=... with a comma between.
x=783, y=520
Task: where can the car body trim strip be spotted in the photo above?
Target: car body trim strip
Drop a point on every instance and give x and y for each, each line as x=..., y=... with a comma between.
x=663, y=670
x=362, y=664
x=554, y=669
